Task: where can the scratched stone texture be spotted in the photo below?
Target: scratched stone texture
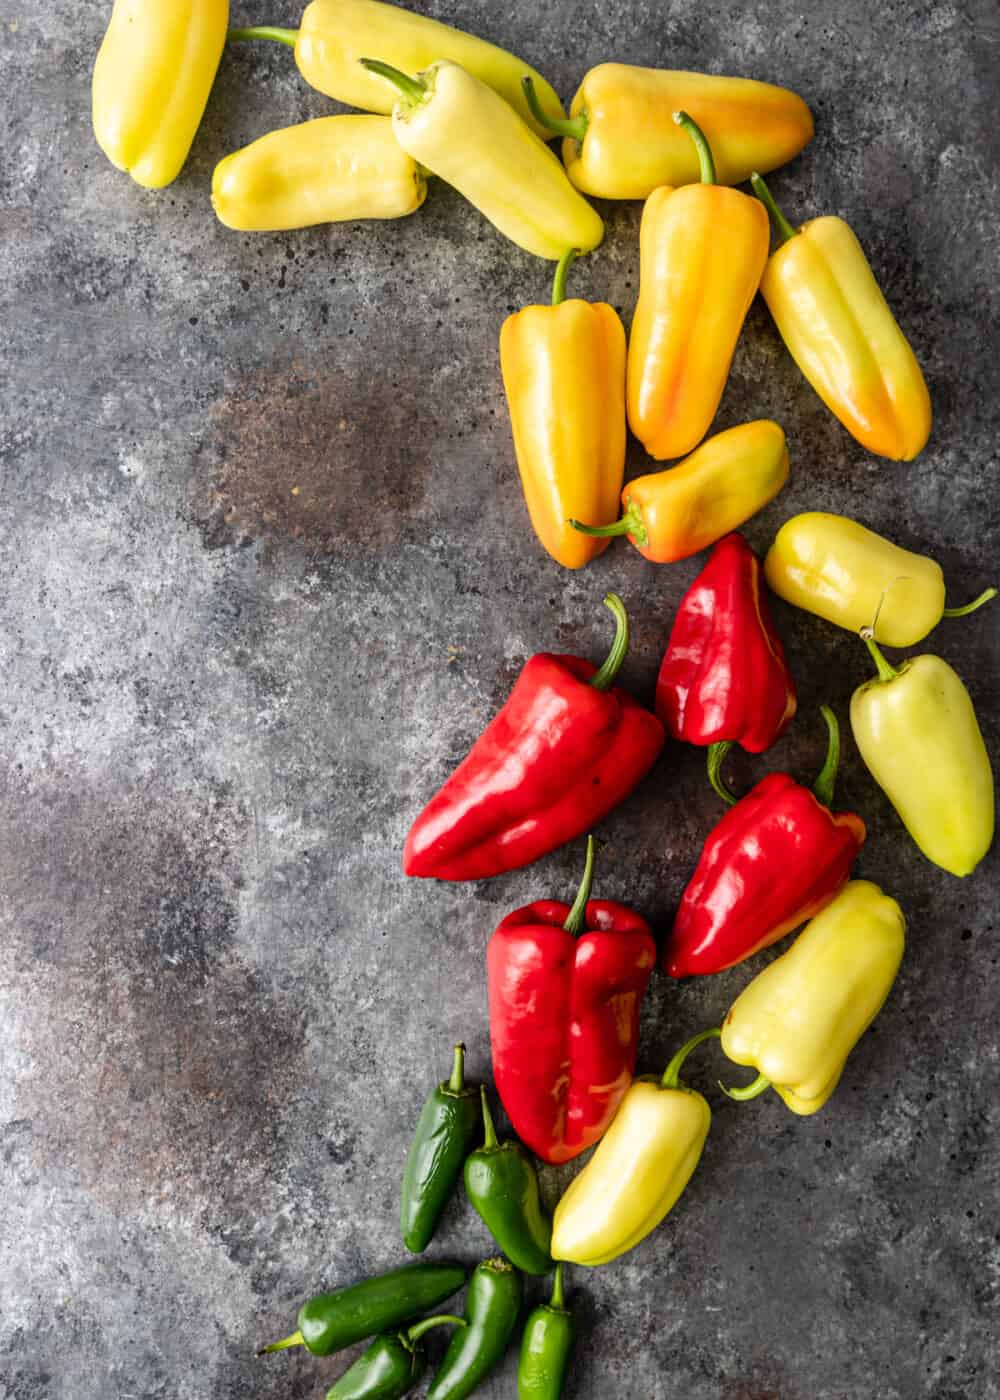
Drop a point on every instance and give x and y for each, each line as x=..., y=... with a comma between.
x=265, y=571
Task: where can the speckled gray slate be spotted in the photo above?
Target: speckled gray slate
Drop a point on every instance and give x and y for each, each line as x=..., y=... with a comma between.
x=266, y=571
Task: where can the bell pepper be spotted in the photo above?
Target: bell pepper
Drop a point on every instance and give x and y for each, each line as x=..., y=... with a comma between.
x=620, y=142
x=916, y=729
x=801, y=1017
x=566, y=748
x=502, y=1186
x=702, y=249
x=841, y=571
x=492, y=1305
x=319, y=172
x=152, y=77
x=392, y=1365
x=446, y=1130
x=670, y=515
x=564, y=373
x=840, y=332
x=564, y=1016
x=724, y=678
x=776, y=859
x=336, y=34
x=638, y=1170
x=546, y=1344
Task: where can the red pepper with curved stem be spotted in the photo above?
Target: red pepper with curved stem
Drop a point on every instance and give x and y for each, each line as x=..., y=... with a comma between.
x=777, y=858
x=724, y=678
x=566, y=748
x=565, y=988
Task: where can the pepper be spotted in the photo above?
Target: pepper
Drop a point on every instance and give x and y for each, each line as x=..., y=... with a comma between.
x=702, y=249
x=801, y=1017
x=492, y=1305
x=445, y=1133
x=840, y=332
x=620, y=141
x=564, y=373
x=546, y=1344
x=639, y=1169
x=841, y=571
x=319, y=172
x=776, y=859
x=502, y=1185
x=460, y=129
x=724, y=678
x=564, y=1016
x=391, y=1366
x=336, y=34
x=566, y=748
x=670, y=515
x=331, y=1321
x=917, y=731
x=152, y=77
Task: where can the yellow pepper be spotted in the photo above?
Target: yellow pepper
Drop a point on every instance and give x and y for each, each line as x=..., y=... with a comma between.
x=620, y=142
x=702, y=252
x=801, y=1017
x=838, y=327
x=152, y=77
x=917, y=732
x=640, y=1167
x=319, y=172
x=564, y=373
x=335, y=35
x=673, y=514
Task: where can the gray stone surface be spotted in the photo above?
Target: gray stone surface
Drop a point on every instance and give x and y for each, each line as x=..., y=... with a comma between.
x=223, y=702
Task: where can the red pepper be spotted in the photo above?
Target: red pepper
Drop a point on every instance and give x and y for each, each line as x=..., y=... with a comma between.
x=776, y=858
x=724, y=678
x=564, y=1016
x=566, y=748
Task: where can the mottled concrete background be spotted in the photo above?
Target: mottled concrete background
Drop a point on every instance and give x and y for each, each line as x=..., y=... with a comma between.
x=266, y=571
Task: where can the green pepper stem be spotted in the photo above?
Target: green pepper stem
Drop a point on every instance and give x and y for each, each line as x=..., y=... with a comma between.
x=706, y=163
x=885, y=671
x=630, y=524
x=573, y=127
x=671, y=1075
x=605, y=678
x=265, y=31
x=425, y=1324
x=559, y=281
x=716, y=758
x=295, y=1340
x=489, y=1129
x=558, y=1299
x=457, y=1081
x=749, y=1091
x=785, y=230
x=414, y=90
x=574, y=919
x=824, y=785
x=967, y=608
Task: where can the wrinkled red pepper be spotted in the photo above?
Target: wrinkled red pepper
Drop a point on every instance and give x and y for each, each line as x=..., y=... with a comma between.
x=566, y=748
x=564, y=1016
x=776, y=859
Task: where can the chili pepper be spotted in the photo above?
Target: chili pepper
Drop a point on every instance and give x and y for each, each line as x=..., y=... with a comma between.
x=152, y=77
x=670, y=515
x=564, y=1016
x=501, y=1183
x=638, y=1170
x=546, y=1344
x=724, y=678
x=492, y=1304
x=391, y=1366
x=319, y=172
x=445, y=1133
x=566, y=748
x=917, y=731
x=564, y=372
x=801, y=1017
x=776, y=858
x=702, y=249
x=331, y=1321
x=620, y=141
x=460, y=129
x=336, y=34
x=840, y=332
x=841, y=571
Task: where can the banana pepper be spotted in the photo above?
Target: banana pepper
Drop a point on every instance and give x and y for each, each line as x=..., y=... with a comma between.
x=152, y=77
x=800, y=1018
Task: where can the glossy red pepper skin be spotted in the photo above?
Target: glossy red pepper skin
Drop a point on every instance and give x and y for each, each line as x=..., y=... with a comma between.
x=724, y=676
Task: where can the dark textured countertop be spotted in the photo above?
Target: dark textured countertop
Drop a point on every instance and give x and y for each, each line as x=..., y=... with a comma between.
x=266, y=571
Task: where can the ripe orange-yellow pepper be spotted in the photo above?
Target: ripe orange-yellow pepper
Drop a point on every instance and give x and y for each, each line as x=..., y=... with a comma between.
x=838, y=327
x=702, y=252
x=564, y=372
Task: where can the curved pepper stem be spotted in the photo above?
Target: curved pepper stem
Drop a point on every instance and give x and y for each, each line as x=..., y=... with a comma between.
x=885, y=671
x=295, y=1340
x=265, y=31
x=489, y=1129
x=749, y=1091
x=414, y=1333
x=457, y=1081
x=574, y=919
x=671, y=1075
x=967, y=608
x=826, y=782
x=558, y=1299
x=631, y=523
x=785, y=230
x=706, y=161
x=605, y=678
x=559, y=281
x=573, y=127
x=413, y=90
x=716, y=758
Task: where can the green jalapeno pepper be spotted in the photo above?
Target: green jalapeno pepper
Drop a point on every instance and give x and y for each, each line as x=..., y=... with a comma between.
x=391, y=1366
x=501, y=1183
x=545, y=1347
x=443, y=1139
x=491, y=1308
